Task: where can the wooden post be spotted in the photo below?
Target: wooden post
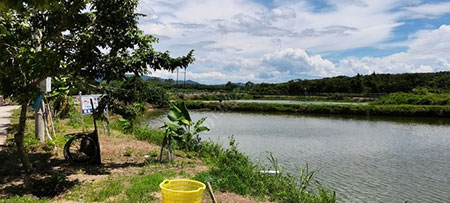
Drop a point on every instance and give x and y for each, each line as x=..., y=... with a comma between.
x=107, y=123
x=211, y=193
x=51, y=119
x=99, y=157
x=49, y=116
x=44, y=118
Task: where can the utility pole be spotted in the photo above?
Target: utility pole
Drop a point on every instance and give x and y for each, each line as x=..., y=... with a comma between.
x=39, y=114
x=40, y=126
x=185, y=76
x=177, y=78
x=39, y=123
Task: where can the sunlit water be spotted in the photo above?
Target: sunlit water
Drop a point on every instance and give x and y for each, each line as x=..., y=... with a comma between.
x=364, y=159
x=296, y=102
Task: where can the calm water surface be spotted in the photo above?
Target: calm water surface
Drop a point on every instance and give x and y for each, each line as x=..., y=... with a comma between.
x=364, y=159
x=293, y=102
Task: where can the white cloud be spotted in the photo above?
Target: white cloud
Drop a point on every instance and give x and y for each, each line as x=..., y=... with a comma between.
x=427, y=10
x=430, y=44
x=281, y=65
x=241, y=40
x=296, y=62
x=442, y=62
x=427, y=51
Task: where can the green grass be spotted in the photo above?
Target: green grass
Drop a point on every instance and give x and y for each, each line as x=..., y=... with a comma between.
x=109, y=188
x=154, y=136
x=23, y=199
x=329, y=98
x=134, y=188
x=379, y=110
x=142, y=186
x=140, y=132
x=234, y=172
x=211, y=96
x=415, y=98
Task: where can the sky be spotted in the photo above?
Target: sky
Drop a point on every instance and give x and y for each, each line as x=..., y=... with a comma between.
x=280, y=40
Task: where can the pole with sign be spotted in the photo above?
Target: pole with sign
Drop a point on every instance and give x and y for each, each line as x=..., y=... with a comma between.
x=87, y=107
x=45, y=86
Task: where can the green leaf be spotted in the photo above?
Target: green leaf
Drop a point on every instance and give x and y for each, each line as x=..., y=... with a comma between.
x=170, y=126
x=200, y=122
x=185, y=112
x=201, y=129
x=184, y=121
x=172, y=118
x=176, y=111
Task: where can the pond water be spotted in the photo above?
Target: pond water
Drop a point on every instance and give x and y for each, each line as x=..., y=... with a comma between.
x=364, y=159
x=294, y=102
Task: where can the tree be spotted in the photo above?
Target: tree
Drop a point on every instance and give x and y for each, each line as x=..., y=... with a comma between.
x=249, y=85
x=81, y=41
x=230, y=86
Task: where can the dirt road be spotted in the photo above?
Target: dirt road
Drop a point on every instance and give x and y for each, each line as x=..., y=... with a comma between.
x=5, y=119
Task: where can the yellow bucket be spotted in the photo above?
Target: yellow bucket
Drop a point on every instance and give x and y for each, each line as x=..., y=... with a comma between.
x=182, y=191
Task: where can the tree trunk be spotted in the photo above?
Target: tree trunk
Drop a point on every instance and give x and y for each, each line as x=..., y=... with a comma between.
x=169, y=149
x=162, y=149
x=18, y=138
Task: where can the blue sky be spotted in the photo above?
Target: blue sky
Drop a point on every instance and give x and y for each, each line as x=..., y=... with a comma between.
x=281, y=40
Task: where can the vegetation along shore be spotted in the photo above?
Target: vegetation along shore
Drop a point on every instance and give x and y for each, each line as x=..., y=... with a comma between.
x=378, y=110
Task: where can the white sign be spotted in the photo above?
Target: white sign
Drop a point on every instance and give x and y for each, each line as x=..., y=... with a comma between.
x=46, y=85
x=86, y=107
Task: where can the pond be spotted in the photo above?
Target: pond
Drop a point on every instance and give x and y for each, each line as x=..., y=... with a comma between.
x=294, y=102
x=364, y=159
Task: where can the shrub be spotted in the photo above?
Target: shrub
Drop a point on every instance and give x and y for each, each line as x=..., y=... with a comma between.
x=154, y=136
x=421, y=97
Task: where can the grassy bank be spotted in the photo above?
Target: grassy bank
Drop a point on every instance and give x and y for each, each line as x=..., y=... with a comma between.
x=231, y=170
x=215, y=96
x=133, y=179
x=379, y=110
x=415, y=98
x=326, y=98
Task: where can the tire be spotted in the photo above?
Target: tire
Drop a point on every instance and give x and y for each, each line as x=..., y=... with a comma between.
x=81, y=148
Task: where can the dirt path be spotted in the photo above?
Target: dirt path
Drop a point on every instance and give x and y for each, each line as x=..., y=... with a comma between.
x=5, y=119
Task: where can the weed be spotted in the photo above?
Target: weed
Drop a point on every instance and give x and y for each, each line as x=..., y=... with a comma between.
x=233, y=171
x=109, y=188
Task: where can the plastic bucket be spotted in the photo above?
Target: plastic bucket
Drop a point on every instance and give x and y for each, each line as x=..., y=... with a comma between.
x=182, y=190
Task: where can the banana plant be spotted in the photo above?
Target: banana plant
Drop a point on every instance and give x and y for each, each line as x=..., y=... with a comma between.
x=182, y=129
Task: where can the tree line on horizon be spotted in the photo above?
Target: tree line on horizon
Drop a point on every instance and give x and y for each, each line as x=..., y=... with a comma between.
x=438, y=82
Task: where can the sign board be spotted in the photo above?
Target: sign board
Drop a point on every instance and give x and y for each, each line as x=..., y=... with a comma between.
x=46, y=85
x=86, y=107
